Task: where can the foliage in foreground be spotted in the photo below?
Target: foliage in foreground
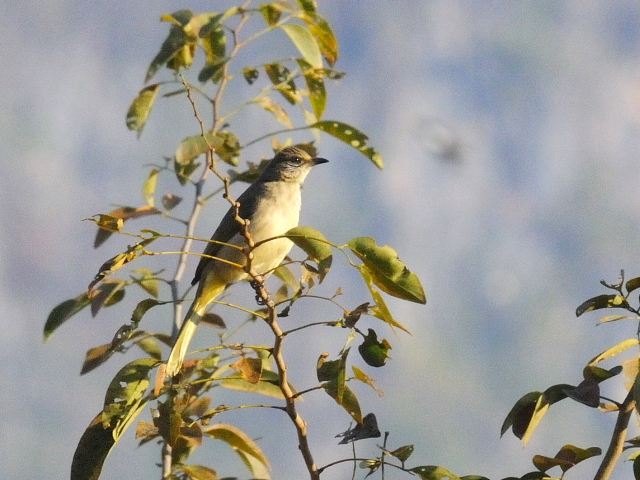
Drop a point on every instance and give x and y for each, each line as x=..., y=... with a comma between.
x=184, y=412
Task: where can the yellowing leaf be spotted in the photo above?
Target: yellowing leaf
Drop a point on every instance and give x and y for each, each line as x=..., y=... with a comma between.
x=238, y=440
x=615, y=350
x=149, y=187
x=140, y=108
x=276, y=110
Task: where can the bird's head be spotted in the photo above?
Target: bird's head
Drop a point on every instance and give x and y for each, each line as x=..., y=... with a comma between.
x=291, y=164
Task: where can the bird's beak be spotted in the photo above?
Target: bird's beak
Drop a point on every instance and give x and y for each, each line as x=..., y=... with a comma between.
x=318, y=161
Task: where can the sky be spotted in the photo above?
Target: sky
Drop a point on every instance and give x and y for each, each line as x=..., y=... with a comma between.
x=510, y=136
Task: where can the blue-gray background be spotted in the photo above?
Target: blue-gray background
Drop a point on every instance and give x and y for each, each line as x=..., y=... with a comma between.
x=510, y=133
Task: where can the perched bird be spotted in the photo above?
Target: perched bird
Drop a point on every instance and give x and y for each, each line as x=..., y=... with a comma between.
x=272, y=206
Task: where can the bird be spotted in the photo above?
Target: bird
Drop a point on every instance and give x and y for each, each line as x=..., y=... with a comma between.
x=272, y=206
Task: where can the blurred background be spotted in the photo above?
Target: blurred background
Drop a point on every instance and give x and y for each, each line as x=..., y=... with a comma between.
x=510, y=136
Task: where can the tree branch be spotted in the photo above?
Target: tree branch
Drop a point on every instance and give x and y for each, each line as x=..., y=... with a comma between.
x=617, y=439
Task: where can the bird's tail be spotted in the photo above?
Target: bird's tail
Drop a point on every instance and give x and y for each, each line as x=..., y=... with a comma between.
x=188, y=329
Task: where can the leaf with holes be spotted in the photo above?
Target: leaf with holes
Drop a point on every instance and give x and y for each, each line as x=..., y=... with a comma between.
x=351, y=136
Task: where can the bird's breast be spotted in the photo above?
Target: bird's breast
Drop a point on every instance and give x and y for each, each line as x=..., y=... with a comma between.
x=277, y=212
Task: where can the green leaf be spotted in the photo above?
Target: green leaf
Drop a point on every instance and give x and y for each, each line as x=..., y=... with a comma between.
x=305, y=43
x=602, y=301
x=636, y=468
x=140, y=108
x=380, y=310
x=351, y=136
x=92, y=450
x=308, y=6
x=63, y=312
x=147, y=281
x=374, y=353
x=214, y=43
x=237, y=440
x=178, y=48
x=149, y=187
x=315, y=245
x=125, y=392
x=151, y=347
x=315, y=85
x=192, y=147
x=333, y=373
x=107, y=427
x=142, y=308
x=432, y=472
x=387, y=271
x=268, y=384
x=567, y=457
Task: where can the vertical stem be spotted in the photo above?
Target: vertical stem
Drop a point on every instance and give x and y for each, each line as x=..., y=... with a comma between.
x=283, y=383
x=617, y=439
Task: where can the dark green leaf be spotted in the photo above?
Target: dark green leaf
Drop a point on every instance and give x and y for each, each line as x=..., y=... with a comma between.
x=173, y=44
x=109, y=293
x=282, y=80
x=250, y=74
x=402, y=453
x=388, y=272
x=632, y=284
x=543, y=463
x=602, y=301
x=308, y=6
x=587, y=393
x=374, y=353
x=183, y=172
x=140, y=108
x=315, y=245
x=636, y=468
x=380, y=310
x=170, y=201
x=64, y=312
x=367, y=428
x=92, y=450
x=351, y=136
x=597, y=374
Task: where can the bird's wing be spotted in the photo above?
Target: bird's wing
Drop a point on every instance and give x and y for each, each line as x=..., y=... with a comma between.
x=229, y=227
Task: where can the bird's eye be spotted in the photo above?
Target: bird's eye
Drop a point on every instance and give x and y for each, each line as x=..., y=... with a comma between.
x=296, y=160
